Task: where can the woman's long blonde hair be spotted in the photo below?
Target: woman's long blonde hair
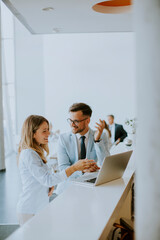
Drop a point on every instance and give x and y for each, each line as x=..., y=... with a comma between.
x=30, y=126
x=107, y=128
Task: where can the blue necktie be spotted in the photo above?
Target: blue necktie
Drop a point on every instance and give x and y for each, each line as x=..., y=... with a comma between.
x=83, y=148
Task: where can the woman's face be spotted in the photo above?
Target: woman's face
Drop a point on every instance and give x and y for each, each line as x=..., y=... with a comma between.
x=42, y=133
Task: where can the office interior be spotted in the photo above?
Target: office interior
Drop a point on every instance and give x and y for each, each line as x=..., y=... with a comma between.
x=113, y=71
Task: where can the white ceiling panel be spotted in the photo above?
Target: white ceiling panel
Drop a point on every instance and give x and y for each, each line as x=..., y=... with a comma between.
x=67, y=16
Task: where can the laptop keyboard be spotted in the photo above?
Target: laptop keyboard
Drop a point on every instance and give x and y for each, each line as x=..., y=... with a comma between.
x=91, y=180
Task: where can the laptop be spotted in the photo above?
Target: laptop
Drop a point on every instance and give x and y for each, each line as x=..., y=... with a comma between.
x=112, y=168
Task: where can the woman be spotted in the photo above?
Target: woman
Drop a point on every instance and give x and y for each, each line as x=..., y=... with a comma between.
x=108, y=133
x=37, y=178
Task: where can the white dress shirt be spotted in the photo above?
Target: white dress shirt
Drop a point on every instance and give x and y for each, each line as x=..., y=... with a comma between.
x=36, y=178
x=112, y=129
x=78, y=136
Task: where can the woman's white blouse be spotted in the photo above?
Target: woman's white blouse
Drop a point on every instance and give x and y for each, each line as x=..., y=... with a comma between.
x=109, y=139
x=36, y=178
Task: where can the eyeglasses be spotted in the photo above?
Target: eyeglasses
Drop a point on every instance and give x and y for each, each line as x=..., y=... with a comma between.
x=76, y=122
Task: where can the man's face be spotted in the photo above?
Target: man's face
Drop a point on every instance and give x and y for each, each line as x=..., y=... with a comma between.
x=78, y=122
x=110, y=120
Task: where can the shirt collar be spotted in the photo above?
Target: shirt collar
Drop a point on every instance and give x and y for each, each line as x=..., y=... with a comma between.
x=79, y=135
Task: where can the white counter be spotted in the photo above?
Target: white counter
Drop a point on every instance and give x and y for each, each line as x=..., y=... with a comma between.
x=79, y=213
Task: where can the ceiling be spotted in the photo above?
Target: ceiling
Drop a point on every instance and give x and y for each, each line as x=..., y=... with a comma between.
x=67, y=16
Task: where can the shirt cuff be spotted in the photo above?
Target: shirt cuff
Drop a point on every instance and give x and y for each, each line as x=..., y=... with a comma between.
x=63, y=175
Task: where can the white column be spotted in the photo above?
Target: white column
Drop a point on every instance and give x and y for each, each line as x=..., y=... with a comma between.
x=147, y=19
x=2, y=158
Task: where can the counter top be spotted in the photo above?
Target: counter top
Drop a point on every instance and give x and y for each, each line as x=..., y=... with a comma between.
x=80, y=212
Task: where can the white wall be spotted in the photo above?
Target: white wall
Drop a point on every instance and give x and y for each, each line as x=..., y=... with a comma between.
x=29, y=74
x=94, y=68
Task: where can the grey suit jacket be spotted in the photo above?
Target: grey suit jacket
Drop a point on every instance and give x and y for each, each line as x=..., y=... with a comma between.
x=68, y=149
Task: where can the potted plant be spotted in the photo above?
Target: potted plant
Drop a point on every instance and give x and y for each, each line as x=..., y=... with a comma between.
x=131, y=130
x=131, y=125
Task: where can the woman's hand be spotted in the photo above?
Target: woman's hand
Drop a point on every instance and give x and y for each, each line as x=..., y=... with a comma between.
x=82, y=165
x=51, y=189
x=86, y=164
x=92, y=169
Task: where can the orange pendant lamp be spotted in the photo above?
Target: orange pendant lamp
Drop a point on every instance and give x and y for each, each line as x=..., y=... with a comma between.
x=113, y=6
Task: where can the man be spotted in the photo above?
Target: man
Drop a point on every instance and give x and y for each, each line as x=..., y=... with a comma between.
x=82, y=142
x=118, y=134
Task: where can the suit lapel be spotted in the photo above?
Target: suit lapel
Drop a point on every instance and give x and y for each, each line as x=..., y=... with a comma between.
x=74, y=146
x=90, y=143
x=116, y=131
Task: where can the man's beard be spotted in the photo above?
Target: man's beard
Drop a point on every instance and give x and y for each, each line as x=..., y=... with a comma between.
x=77, y=130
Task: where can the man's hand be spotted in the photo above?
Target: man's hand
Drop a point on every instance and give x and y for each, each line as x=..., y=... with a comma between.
x=118, y=141
x=100, y=126
x=51, y=189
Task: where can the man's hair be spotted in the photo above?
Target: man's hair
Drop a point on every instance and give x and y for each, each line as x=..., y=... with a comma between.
x=111, y=116
x=86, y=110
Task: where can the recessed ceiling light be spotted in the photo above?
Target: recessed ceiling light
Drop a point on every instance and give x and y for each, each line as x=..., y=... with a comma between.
x=48, y=9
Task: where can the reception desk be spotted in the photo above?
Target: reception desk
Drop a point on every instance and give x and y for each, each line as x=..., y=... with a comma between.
x=80, y=213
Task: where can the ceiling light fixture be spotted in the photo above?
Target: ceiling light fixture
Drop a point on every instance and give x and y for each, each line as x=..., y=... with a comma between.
x=114, y=6
x=48, y=9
